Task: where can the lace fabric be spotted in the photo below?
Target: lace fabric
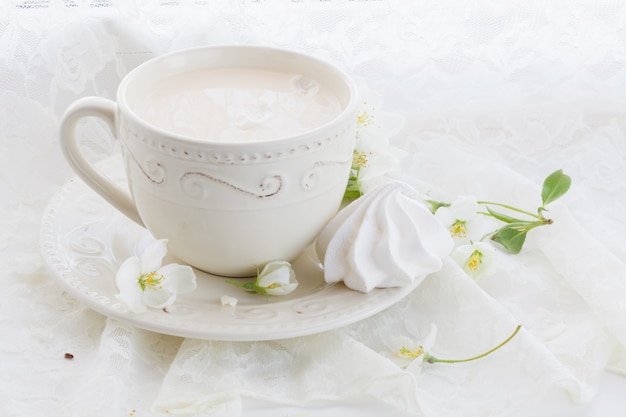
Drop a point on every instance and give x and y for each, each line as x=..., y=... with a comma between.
x=495, y=96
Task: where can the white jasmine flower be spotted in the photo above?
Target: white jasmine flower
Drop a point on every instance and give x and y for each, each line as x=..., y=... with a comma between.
x=418, y=354
x=145, y=283
x=410, y=355
x=374, y=157
x=276, y=278
x=476, y=259
x=463, y=220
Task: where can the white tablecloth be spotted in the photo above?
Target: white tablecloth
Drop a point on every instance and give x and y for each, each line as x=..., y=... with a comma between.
x=494, y=95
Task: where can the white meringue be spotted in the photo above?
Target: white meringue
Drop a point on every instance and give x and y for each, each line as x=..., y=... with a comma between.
x=386, y=238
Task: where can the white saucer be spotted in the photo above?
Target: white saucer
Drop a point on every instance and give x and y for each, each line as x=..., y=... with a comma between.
x=84, y=240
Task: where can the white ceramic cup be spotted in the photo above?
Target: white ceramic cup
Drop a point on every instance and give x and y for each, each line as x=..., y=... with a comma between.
x=225, y=207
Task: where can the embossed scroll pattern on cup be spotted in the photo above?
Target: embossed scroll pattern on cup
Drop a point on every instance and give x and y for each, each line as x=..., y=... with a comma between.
x=195, y=184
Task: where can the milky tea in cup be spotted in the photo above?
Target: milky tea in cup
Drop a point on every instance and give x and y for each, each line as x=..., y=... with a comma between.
x=237, y=155
x=235, y=104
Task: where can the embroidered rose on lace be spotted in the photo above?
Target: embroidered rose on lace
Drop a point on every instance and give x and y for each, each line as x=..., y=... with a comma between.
x=144, y=282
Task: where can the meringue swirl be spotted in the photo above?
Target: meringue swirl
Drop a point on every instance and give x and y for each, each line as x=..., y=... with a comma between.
x=386, y=238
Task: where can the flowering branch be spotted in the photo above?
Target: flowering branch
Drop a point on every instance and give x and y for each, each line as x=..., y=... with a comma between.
x=420, y=352
x=513, y=234
x=373, y=157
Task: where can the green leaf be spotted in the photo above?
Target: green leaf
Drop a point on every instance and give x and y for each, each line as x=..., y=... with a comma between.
x=554, y=186
x=511, y=237
x=436, y=205
x=502, y=217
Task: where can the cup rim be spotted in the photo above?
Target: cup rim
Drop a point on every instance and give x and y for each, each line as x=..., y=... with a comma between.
x=128, y=112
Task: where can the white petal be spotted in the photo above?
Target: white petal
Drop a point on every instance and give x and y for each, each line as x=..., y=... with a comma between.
x=158, y=298
x=416, y=365
x=178, y=278
x=134, y=303
x=462, y=208
x=394, y=343
x=283, y=289
x=153, y=255
x=429, y=340
x=462, y=254
x=279, y=276
x=278, y=272
x=428, y=343
x=128, y=274
x=127, y=280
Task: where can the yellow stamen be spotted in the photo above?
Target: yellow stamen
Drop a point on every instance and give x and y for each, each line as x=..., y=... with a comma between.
x=365, y=118
x=359, y=159
x=475, y=260
x=151, y=280
x=410, y=353
x=458, y=229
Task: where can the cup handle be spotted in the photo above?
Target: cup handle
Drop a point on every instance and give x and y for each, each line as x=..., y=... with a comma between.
x=105, y=110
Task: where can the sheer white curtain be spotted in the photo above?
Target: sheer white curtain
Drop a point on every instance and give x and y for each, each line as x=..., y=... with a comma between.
x=495, y=95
